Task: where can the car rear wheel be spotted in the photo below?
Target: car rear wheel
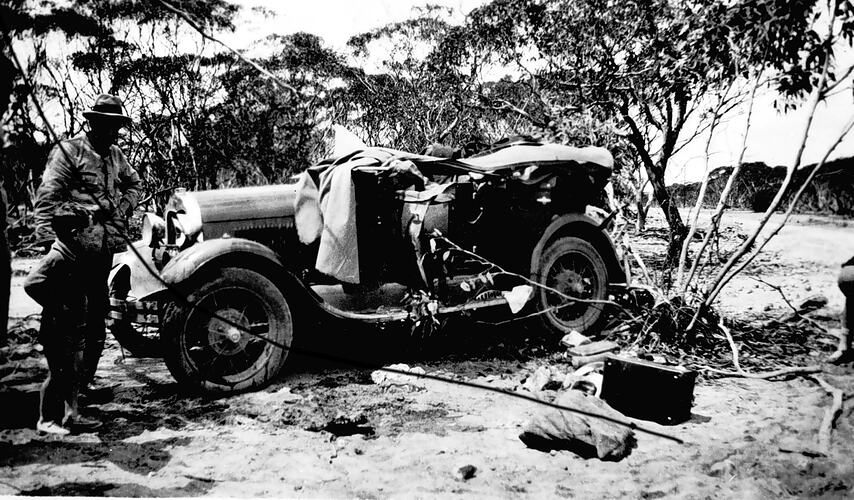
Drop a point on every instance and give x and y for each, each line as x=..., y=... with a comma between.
x=574, y=268
x=236, y=337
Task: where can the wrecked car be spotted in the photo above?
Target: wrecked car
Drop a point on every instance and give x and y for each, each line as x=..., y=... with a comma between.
x=224, y=277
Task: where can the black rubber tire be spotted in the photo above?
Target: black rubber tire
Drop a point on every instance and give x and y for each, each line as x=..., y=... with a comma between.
x=580, y=317
x=131, y=339
x=184, y=330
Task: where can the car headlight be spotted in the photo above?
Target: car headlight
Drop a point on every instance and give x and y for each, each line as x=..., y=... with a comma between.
x=191, y=225
x=183, y=220
x=153, y=230
x=181, y=228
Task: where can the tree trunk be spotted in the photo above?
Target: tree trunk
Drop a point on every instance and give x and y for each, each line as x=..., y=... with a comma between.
x=641, y=218
x=655, y=173
x=671, y=212
x=640, y=203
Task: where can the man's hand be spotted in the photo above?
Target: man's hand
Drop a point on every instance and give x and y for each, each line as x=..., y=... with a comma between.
x=38, y=243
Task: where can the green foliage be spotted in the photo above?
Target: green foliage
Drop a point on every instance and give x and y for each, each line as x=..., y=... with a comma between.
x=622, y=74
x=19, y=19
x=831, y=193
x=651, y=64
x=202, y=120
x=420, y=95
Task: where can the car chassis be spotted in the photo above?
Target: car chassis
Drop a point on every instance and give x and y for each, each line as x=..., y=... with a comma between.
x=225, y=281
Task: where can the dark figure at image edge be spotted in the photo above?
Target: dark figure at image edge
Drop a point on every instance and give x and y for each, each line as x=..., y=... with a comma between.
x=845, y=351
x=7, y=69
x=87, y=192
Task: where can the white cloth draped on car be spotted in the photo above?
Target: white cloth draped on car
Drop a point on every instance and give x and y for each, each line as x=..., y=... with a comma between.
x=327, y=210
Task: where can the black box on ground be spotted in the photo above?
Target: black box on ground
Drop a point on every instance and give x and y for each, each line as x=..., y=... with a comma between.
x=648, y=391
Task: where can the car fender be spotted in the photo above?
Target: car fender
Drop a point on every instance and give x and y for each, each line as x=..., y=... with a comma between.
x=134, y=273
x=237, y=251
x=588, y=228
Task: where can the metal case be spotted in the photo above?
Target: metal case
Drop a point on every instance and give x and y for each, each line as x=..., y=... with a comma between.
x=648, y=391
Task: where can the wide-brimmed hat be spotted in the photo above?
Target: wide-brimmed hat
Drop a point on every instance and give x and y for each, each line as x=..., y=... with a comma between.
x=108, y=106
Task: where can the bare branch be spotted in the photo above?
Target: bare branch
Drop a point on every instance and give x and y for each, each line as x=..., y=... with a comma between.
x=782, y=372
x=727, y=272
x=186, y=17
x=694, y=215
x=830, y=416
x=840, y=79
x=449, y=128
x=795, y=310
x=739, y=372
x=792, y=204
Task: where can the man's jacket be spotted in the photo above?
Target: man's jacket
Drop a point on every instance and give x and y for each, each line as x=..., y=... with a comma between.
x=75, y=173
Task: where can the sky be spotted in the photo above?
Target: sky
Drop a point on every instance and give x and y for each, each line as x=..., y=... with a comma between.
x=773, y=139
x=333, y=20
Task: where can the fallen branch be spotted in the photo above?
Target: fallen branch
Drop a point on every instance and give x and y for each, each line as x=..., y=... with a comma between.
x=500, y=270
x=830, y=416
x=732, y=346
x=529, y=316
x=792, y=370
x=202, y=479
x=794, y=309
x=639, y=261
x=803, y=451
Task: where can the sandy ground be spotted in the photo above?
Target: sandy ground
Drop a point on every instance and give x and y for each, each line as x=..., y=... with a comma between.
x=746, y=438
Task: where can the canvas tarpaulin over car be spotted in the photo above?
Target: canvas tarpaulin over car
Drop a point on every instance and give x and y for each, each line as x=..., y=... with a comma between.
x=325, y=208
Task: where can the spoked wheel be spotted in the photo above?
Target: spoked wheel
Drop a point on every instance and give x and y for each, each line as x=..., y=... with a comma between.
x=573, y=268
x=236, y=337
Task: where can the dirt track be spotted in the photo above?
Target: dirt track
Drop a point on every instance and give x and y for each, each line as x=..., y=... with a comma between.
x=411, y=440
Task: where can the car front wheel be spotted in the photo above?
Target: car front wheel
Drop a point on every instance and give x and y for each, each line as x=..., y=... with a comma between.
x=234, y=337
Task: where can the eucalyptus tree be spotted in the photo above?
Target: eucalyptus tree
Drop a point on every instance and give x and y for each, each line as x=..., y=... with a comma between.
x=649, y=64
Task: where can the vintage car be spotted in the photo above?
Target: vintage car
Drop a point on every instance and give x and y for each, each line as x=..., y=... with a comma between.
x=225, y=276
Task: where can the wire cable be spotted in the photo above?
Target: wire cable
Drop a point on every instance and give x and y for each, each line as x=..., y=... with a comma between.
x=195, y=25
x=310, y=353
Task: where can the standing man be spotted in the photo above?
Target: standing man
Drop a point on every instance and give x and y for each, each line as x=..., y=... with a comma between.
x=845, y=351
x=7, y=83
x=87, y=192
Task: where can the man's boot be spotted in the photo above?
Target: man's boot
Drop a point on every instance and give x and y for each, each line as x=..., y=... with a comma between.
x=72, y=419
x=49, y=411
x=79, y=423
x=844, y=350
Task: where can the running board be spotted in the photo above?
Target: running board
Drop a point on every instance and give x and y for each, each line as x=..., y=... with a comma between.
x=396, y=314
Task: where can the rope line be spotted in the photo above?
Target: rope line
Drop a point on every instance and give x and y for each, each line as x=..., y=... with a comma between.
x=306, y=352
